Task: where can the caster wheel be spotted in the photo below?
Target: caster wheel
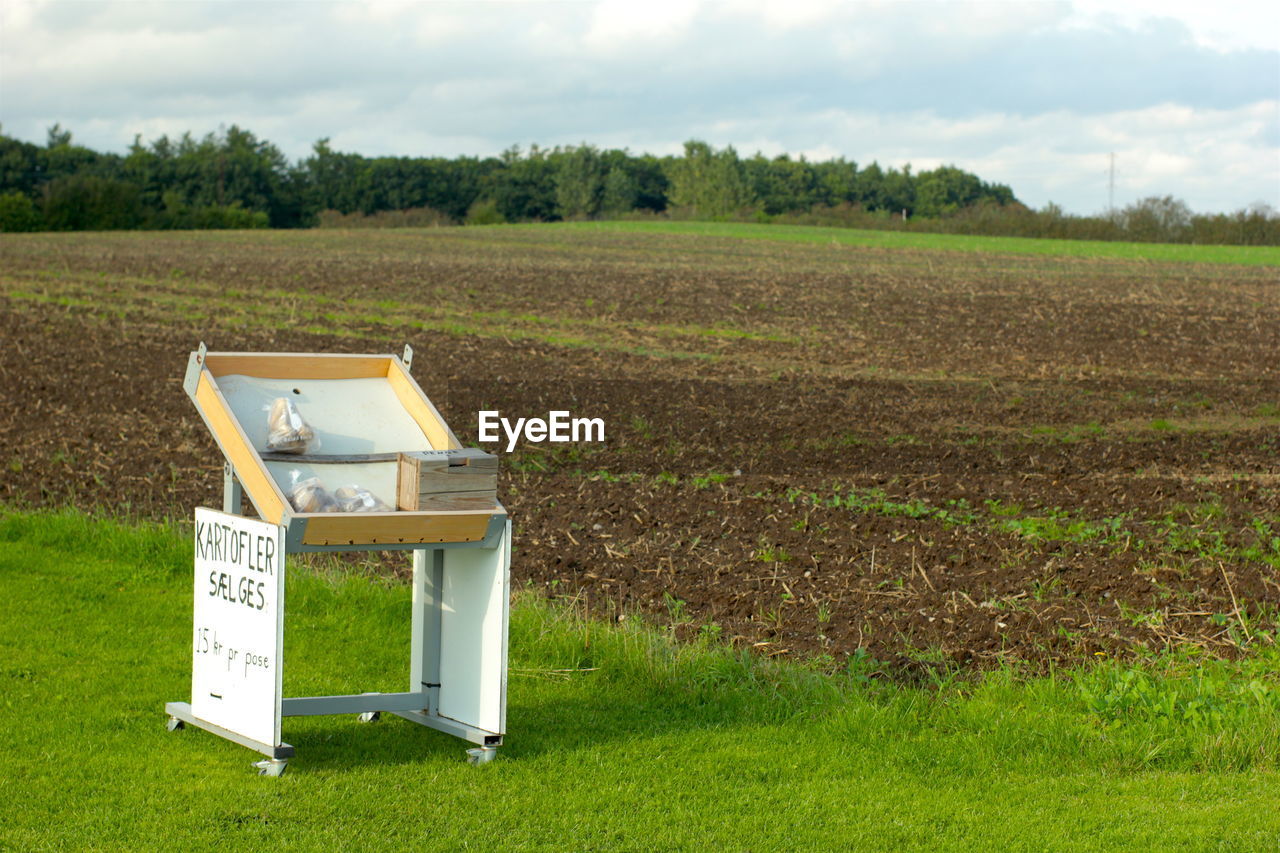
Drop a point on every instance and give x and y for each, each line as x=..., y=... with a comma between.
x=481, y=755
x=174, y=724
x=370, y=717
x=271, y=766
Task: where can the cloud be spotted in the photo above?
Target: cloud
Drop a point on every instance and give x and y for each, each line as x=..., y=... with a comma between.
x=1032, y=94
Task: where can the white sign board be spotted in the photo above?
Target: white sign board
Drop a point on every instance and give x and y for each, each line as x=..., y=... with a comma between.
x=238, y=636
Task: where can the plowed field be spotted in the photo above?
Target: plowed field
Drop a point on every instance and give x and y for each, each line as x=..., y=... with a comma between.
x=810, y=450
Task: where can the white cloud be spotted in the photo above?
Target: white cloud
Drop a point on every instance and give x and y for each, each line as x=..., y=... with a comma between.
x=1033, y=94
x=627, y=25
x=1220, y=26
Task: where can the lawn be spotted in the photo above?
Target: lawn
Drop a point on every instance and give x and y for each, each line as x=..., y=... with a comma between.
x=619, y=738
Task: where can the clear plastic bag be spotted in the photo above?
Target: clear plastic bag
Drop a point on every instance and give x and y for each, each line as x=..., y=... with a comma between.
x=310, y=495
x=287, y=432
x=355, y=498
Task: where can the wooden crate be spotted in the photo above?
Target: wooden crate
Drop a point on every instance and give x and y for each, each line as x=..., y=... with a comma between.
x=433, y=480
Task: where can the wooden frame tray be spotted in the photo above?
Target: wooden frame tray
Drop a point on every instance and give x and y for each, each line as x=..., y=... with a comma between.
x=363, y=407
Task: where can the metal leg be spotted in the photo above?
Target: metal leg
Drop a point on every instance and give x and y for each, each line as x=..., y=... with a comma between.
x=174, y=724
x=424, y=655
x=473, y=636
x=271, y=766
x=232, y=494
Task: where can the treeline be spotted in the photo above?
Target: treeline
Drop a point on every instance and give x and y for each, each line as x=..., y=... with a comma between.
x=1157, y=219
x=232, y=179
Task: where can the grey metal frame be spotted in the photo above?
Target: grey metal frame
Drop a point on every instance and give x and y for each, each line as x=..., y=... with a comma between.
x=421, y=704
x=423, y=700
x=181, y=711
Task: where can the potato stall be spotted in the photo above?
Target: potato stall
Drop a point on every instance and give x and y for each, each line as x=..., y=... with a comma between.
x=342, y=453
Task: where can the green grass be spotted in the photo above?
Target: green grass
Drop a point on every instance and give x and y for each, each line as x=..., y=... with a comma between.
x=619, y=738
x=1249, y=255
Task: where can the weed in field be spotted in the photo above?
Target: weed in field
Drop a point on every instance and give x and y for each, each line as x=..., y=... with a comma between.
x=709, y=634
x=1000, y=508
x=1058, y=525
x=1043, y=590
x=774, y=618
x=773, y=554
x=642, y=427
x=1070, y=434
x=677, y=610
x=823, y=615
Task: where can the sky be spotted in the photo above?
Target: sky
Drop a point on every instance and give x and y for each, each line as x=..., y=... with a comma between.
x=1036, y=94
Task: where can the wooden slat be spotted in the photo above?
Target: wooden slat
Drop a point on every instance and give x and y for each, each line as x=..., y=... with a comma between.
x=264, y=493
x=459, y=478
x=266, y=365
x=445, y=501
x=406, y=483
x=394, y=528
x=419, y=408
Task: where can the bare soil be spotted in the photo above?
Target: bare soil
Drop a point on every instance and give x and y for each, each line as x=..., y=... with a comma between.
x=810, y=450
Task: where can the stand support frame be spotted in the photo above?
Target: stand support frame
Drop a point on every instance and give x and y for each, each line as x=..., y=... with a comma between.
x=431, y=607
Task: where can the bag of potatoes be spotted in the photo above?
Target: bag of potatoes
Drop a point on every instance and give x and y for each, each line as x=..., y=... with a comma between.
x=358, y=499
x=287, y=432
x=309, y=495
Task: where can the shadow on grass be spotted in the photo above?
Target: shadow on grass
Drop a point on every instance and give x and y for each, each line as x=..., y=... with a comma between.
x=538, y=726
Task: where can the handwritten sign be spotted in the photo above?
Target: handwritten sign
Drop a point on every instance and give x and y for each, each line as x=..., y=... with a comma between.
x=239, y=581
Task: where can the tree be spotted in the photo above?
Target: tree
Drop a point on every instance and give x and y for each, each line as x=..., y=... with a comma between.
x=899, y=190
x=331, y=178
x=22, y=166
x=782, y=185
x=620, y=192
x=652, y=185
x=57, y=137
x=580, y=176
x=943, y=191
x=525, y=190
x=1156, y=219
x=836, y=182
x=18, y=213
x=709, y=183
x=869, y=188
x=89, y=203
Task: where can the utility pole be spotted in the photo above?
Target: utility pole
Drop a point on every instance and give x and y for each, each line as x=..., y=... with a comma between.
x=1111, y=187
